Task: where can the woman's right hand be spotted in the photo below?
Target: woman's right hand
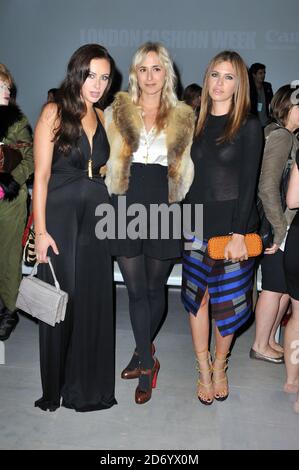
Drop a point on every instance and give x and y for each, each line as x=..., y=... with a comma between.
x=42, y=243
x=271, y=250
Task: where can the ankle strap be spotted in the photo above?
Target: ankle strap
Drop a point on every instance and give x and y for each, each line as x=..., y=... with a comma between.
x=145, y=371
x=206, y=359
x=222, y=358
x=206, y=353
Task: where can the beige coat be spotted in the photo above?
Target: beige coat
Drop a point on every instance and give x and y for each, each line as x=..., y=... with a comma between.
x=123, y=124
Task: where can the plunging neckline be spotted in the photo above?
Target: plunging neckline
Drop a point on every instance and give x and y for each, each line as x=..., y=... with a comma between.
x=91, y=143
x=151, y=131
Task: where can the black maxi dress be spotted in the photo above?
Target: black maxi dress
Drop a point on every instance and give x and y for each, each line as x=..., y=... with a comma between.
x=77, y=355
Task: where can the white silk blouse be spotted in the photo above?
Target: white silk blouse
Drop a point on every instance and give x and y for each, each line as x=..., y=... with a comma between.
x=152, y=148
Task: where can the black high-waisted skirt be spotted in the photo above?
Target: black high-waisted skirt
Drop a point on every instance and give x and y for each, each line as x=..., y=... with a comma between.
x=148, y=186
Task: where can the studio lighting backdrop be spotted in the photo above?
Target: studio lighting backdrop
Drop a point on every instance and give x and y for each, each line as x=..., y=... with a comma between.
x=37, y=37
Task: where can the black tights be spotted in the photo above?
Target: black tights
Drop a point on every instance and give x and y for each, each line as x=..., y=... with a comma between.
x=145, y=279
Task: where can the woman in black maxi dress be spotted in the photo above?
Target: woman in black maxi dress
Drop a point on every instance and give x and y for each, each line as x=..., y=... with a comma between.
x=77, y=355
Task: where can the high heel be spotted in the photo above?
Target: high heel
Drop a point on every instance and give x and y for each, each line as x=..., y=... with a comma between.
x=156, y=372
x=224, y=360
x=131, y=372
x=206, y=360
x=143, y=396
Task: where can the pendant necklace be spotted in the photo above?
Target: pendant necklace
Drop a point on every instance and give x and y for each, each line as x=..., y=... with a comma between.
x=90, y=168
x=149, y=138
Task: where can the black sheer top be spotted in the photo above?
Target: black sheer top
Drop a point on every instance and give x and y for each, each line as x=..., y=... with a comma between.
x=226, y=176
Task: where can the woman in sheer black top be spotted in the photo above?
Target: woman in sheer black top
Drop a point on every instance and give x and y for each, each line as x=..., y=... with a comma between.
x=226, y=156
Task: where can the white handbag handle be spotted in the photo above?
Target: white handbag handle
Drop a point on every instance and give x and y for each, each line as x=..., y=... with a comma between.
x=34, y=272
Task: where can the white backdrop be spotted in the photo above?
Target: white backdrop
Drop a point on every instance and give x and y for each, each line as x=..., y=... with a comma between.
x=37, y=37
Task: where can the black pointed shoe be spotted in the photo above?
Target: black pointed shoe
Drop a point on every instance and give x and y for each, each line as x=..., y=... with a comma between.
x=8, y=322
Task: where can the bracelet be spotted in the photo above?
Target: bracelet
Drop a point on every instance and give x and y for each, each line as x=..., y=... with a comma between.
x=40, y=234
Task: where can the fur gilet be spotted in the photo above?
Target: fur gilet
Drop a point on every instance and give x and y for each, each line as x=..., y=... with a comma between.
x=123, y=124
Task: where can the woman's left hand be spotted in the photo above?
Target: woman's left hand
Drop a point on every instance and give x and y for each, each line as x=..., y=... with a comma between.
x=236, y=249
x=271, y=250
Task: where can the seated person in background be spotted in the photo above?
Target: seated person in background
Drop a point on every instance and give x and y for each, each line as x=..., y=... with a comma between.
x=261, y=92
x=14, y=129
x=13, y=88
x=192, y=97
x=52, y=95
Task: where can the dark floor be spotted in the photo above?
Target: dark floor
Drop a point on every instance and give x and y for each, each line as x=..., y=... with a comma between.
x=257, y=414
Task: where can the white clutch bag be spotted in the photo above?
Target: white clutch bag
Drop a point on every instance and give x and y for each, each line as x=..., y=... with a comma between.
x=42, y=300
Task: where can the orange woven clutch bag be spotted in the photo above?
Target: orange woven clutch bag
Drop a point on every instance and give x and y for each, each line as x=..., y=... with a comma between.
x=216, y=245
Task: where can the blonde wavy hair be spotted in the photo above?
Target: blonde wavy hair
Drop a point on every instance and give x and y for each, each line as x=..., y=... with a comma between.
x=168, y=96
x=240, y=104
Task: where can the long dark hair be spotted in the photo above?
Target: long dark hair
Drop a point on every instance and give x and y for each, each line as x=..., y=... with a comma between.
x=71, y=108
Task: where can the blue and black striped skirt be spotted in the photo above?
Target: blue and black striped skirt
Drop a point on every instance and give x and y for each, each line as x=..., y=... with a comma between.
x=229, y=285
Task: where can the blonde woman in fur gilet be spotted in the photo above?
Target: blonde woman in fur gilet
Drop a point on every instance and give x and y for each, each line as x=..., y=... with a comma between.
x=150, y=134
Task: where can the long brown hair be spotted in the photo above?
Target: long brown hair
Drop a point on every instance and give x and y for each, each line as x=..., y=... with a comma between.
x=71, y=108
x=240, y=104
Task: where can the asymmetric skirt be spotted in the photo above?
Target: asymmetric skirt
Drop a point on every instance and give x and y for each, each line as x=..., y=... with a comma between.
x=229, y=285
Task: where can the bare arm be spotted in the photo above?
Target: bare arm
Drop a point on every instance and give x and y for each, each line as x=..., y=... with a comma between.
x=293, y=189
x=43, y=154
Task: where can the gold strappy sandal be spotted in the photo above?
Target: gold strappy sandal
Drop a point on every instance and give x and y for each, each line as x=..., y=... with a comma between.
x=206, y=360
x=223, y=359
